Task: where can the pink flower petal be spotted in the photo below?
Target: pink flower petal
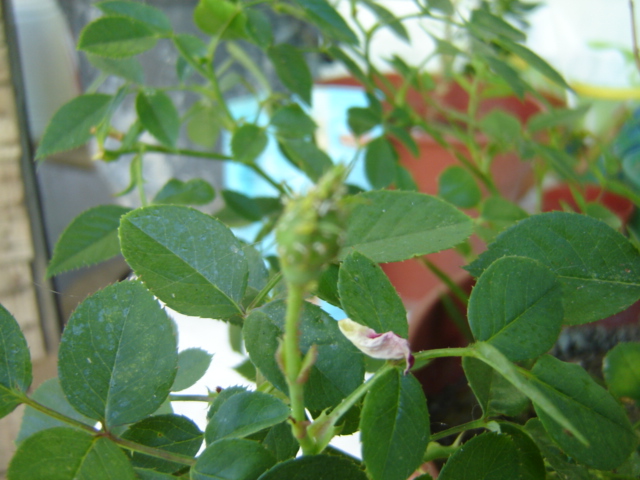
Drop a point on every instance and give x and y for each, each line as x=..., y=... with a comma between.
x=387, y=346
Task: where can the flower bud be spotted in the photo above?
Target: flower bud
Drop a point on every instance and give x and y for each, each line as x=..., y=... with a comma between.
x=387, y=346
x=311, y=230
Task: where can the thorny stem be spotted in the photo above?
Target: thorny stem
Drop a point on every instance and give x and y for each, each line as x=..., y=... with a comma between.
x=292, y=363
x=133, y=446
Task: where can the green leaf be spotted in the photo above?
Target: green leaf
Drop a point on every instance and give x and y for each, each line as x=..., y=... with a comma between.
x=361, y=120
x=602, y=420
x=146, y=474
x=315, y=467
x=328, y=285
x=67, y=454
x=368, y=297
x=405, y=138
x=490, y=26
x=508, y=74
x=458, y=186
x=192, y=49
x=350, y=64
x=248, y=142
x=90, y=238
x=292, y=122
x=189, y=260
x=556, y=117
x=531, y=463
x=394, y=426
x=389, y=226
x=599, y=272
x=72, y=124
x=245, y=413
x=128, y=68
x=111, y=343
x=49, y=394
x=535, y=62
x=192, y=192
x=259, y=28
x=152, y=17
x=380, y=161
x=292, y=70
x=495, y=394
x=232, y=459
x=521, y=379
x=328, y=20
x=159, y=116
x=502, y=127
x=281, y=442
x=338, y=370
x=445, y=6
x=203, y=124
x=516, y=306
x=15, y=363
x=193, y=363
x=385, y=17
x=404, y=179
x=565, y=467
x=244, y=206
x=305, y=155
x=621, y=369
x=499, y=214
x=490, y=455
x=117, y=37
x=172, y=433
x=222, y=18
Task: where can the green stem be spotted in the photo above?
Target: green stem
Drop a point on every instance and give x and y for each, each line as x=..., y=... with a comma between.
x=154, y=452
x=140, y=181
x=133, y=446
x=357, y=394
x=273, y=281
x=445, y=352
x=292, y=363
x=192, y=398
x=169, y=151
x=480, y=423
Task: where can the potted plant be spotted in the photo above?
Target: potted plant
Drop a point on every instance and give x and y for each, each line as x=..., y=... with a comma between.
x=108, y=415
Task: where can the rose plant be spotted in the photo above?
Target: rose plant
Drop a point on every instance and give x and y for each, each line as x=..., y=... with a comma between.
x=108, y=414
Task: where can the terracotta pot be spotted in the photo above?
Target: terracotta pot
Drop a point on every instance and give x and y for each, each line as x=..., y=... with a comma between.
x=557, y=197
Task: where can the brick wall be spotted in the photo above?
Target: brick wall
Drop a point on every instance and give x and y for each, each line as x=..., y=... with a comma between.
x=17, y=291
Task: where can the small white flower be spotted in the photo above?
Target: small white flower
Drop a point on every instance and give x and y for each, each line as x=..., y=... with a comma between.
x=387, y=346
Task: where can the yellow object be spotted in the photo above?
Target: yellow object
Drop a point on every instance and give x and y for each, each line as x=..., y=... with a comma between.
x=606, y=93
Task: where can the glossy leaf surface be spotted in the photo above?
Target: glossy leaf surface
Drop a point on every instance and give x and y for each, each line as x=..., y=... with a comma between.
x=173, y=433
x=245, y=413
x=189, y=260
x=489, y=455
x=159, y=116
x=598, y=268
x=15, y=363
x=516, y=306
x=117, y=37
x=621, y=368
x=390, y=226
x=232, y=459
x=339, y=368
x=90, y=238
x=368, y=297
x=394, y=427
x=494, y=393
x=110, y=344
x=192, y=192
x=599, y=417
x=315, y=467
x=292, y=69
x=152, y=17
x=72, y=124
x=67, y=454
